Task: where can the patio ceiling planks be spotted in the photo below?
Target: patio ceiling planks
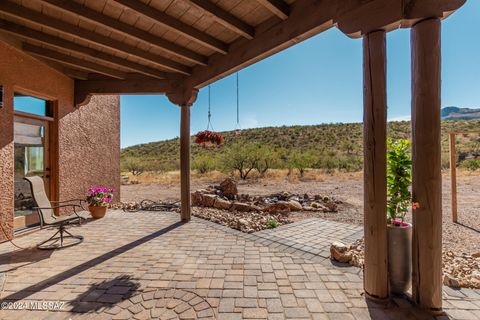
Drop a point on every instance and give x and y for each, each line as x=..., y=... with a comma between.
x=186, y=43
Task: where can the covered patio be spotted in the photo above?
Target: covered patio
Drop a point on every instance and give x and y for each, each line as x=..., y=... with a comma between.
x=113, y=47
x=161, y=268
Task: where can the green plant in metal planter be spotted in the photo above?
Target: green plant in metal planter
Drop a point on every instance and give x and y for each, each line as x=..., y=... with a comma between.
x=399, y=179
x=399, y=232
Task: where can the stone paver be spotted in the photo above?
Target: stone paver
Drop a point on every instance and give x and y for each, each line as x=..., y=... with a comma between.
x=312, y=236
x=147, y=265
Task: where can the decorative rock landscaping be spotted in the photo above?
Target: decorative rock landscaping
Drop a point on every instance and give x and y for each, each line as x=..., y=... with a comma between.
x=459, y=271
x=353, y=254
x=222, y=204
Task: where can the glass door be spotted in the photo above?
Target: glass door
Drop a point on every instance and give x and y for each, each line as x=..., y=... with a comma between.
x=32, y=158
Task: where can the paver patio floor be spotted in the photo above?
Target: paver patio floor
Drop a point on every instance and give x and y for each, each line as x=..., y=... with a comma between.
x=147, y=265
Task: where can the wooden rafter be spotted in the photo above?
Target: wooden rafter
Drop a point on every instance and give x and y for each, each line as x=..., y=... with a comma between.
x=307, y=18
x=75, y=74
x=37, y=36
x=85, y=89
x=175, y=25
x=277, y=7
x=72, y=61
x=126, y=29
x=15, y=10
x=225, y=18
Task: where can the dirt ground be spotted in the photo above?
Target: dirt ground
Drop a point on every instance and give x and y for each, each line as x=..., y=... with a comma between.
x=463, y=237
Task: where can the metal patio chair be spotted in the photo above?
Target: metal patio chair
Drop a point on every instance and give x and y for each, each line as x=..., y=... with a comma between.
x=48, y=219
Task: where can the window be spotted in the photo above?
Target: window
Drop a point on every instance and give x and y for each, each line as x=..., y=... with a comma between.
x=32, y=105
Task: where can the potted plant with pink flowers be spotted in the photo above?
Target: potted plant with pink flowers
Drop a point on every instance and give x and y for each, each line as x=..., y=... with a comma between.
x=98, y=199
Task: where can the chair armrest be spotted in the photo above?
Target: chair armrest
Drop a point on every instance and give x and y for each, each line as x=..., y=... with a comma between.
x=80, y=201
x=57, y=207
x=74, y=206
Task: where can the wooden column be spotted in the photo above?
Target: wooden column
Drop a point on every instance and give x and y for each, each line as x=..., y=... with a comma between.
x=184, y=99
x=453, y=175
x=375, y=169
x=185, y=162
x=426, y=153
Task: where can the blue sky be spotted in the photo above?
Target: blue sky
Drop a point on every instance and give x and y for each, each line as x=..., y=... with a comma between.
x=316, y=81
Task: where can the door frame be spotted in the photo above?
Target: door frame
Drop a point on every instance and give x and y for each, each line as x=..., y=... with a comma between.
x=51, y=152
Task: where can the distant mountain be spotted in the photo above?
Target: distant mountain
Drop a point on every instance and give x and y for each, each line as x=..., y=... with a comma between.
x=455, y=113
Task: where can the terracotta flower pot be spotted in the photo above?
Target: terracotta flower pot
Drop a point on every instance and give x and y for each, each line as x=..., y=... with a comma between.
x=97, y=212
x=400, y=257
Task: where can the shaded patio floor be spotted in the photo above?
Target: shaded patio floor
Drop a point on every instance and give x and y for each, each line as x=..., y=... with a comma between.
x=148, y=265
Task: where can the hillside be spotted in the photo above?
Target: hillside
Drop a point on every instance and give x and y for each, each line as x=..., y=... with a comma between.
x=339, y=142
x=455, y=113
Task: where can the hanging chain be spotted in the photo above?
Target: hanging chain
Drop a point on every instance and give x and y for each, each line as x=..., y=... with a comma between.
x=209, y=125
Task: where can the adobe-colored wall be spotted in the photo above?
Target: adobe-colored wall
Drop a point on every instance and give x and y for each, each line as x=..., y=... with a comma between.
x=89, y=137
x=90, y=147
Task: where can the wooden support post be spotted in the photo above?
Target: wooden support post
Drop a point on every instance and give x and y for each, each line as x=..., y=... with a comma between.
x=185, y=162
x=375, y=168
x=427, y=175
x=453, y=175
x=184, y=99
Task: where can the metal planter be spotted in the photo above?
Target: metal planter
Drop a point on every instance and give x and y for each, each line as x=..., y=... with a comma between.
x=399, y=258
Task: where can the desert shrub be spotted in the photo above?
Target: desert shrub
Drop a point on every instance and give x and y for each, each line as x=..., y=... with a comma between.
x=349, y=163
x=134, y=166
x=327, y=163
x=272, y=224
x=445, y=161
x=240, y=157
x=265, y=158
x=300, y=161
x=203, y=163
x=471, y=164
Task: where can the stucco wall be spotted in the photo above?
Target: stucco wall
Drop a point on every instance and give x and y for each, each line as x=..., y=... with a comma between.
x=88, y=150
x=90, y=147
x=6, y=166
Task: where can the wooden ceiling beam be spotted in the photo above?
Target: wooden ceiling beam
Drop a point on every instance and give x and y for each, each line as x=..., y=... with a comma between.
x=72, y=61
x=23, y=13
x=225, y=18
x=85, y=89
x=310, y=17
x=77, y=49
x=278, y=7
x=175, y=25
x=389, y=15
x=75, y=74
x=307, y=18
x=126, y=30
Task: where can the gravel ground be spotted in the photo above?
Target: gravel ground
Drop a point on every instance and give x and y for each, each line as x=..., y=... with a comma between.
x=463, y=237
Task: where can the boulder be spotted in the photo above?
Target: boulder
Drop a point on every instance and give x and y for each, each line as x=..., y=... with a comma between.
x=208, y=200
x=332, y=206
x=295, y=205
x=229, y=188
x=339, y=252
x=222, y=204
x=450, y=281
x=197, y=198
x=280, y=206
x=476, y=255
x=243, y=207
x=242, y=222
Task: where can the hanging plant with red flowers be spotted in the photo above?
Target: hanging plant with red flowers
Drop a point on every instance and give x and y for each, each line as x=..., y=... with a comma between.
x=209, y=138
